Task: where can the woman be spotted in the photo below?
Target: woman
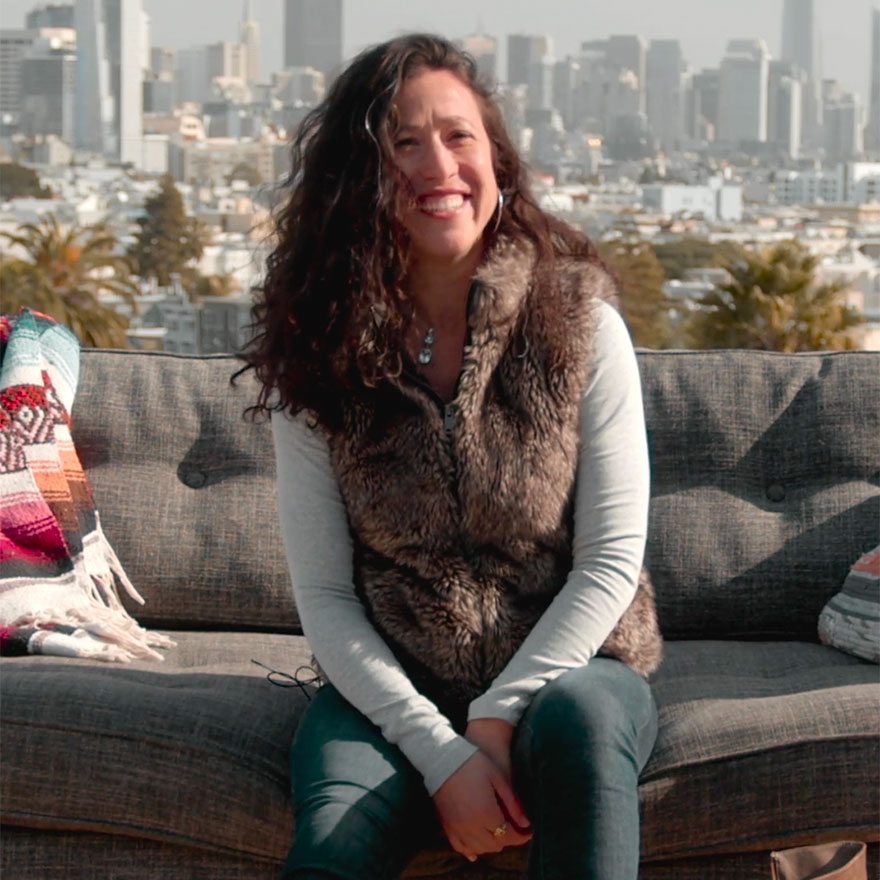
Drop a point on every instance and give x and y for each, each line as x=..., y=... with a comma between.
x=463, y=484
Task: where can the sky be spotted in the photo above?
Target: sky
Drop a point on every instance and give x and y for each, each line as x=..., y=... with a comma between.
x=703, y=26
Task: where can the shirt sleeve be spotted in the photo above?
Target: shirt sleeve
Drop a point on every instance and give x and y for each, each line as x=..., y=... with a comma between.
x=612, y=494
x=352, y=654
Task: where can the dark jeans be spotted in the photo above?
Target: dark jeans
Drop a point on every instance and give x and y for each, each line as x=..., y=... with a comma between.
x=362, y=810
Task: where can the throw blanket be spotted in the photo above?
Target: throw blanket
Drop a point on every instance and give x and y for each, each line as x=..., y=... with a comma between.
x=58, y=573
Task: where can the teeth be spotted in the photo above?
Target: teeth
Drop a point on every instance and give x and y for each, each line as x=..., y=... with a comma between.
x=442, y=203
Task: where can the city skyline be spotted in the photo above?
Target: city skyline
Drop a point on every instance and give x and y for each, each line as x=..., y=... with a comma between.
x=702, y=28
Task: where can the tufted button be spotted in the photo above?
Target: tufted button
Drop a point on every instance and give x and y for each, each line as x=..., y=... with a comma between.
x=776, y=492
x=194, y=479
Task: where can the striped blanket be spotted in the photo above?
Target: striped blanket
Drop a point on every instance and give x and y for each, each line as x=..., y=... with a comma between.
x=59, y=576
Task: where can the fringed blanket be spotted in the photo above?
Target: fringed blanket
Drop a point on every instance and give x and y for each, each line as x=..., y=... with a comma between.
x=59, y=576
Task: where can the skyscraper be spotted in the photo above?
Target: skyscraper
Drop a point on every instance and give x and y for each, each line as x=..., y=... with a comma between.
x=484, y=50
x=800, y=46
x=665, y=100
x=873, y=132
x=313, y=35
x=523, y=50
x=742, y=99
x=250, y=38
x=800, y=37
x=109, y=78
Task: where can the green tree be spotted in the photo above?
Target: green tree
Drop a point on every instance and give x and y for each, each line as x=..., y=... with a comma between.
x=774, y=303
x=18, y=180
x=695, y=253
x=66, y=272
x=168, y=241
x=645, y=306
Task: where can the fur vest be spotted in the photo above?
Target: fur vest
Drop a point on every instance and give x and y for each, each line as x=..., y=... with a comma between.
x=461, y=513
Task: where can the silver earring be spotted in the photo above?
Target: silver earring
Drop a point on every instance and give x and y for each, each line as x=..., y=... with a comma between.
x=500, y=209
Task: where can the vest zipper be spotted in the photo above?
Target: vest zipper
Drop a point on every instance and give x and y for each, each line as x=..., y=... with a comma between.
x=449, y=413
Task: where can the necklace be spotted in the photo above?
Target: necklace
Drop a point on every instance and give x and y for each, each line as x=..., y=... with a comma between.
x=426, y=355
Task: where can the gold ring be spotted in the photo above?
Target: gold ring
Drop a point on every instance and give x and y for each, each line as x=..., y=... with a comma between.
x=501, y=830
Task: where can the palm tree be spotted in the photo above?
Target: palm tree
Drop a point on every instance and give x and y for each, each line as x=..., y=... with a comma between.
x=66, y=273
x=774, y=303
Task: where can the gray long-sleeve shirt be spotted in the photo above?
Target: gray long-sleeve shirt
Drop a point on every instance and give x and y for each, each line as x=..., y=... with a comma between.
x=610, y=524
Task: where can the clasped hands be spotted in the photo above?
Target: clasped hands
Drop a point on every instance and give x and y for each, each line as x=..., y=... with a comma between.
x=478, y=808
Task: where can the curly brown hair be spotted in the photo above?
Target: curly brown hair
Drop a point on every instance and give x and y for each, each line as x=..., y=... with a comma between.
x=332, y=313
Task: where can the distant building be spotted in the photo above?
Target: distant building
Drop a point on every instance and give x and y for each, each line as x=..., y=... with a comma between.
x=566, y=82
x=484, y=50
x=630, y=52
x=742, y=99
x=873, y=130
x=212, y=160
x=250, y=39
x=48, y=88
x=523, y=50
x=844, y=128
x=51, y=16
x=800, y=46
x=313, y=35
x=15, y=43
x=712, y=203
x=225, y=324
x=109, y=77
x=706, y=90
x=665, y=92
x=784, y=107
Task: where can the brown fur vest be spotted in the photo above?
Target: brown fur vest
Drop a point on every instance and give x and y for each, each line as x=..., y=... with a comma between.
x=462, y=514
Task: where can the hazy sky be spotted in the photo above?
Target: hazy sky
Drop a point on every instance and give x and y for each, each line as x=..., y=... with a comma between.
x=703, y=26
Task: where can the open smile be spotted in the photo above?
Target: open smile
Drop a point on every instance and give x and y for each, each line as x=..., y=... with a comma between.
x=445, y=204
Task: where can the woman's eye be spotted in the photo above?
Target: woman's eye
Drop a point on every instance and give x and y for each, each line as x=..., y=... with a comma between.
x=400, y=143
x=460, y=135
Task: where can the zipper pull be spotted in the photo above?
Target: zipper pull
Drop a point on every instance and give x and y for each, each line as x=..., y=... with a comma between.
x=449, y=418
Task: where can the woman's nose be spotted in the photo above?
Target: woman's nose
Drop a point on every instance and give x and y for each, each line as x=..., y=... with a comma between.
x=438, y=163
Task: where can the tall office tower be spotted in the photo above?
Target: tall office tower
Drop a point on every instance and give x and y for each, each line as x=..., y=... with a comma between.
x=566, y=80
x=313, y=35
x=844, y=125
x=14, y=45
x=800, y=37
x=664, y=93
x=250, y=38
x=159, y=86
x=48, y=86
x=872, y=135
x=226, y=60
x=51, y=16
x=541, y=84
x=484, y=50
x=706, y=89
x=800, y=46
x=523, y=50
x=742, y=98
x=630, y=52
x=784, y=106
x=109, y=78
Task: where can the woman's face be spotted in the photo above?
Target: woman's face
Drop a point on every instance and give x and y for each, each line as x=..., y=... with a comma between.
x=443, y=150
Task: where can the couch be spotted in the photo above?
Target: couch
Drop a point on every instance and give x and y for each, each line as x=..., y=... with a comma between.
x=765, y=490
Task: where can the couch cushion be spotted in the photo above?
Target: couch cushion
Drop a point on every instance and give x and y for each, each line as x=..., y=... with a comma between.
x=761, y=745
x=193, y=750
x=186, y=488
x=766, y=486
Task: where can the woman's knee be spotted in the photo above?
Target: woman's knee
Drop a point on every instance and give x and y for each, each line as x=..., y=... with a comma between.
x=602, y=704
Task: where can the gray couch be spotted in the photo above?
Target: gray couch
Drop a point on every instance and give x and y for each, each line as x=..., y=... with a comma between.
x=765, y=490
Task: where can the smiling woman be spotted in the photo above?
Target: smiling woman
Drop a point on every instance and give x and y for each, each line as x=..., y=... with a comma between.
x=463, y=488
